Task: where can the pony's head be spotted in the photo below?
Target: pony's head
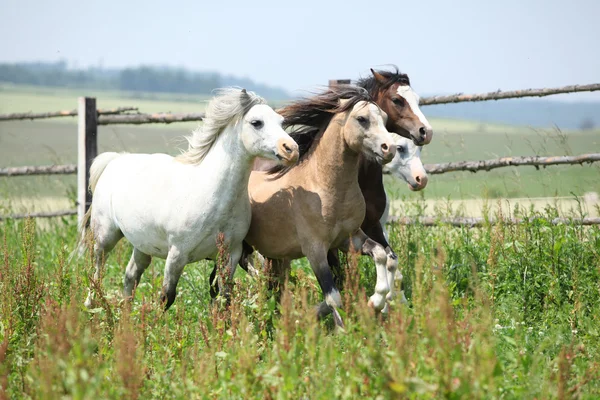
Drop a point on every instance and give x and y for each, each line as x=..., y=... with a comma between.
x=259, y=127
x=351, y=106
x=364, y=131
x=392, y=92
x=407, y=164
x=263, y=135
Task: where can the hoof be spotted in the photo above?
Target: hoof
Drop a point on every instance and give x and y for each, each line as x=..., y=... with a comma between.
x=337, y=318
x=89, y=303
x=377, y=301
x=403, y=298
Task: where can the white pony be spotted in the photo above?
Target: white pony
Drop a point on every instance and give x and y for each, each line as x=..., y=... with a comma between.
x=175, y=207
x=407, y=166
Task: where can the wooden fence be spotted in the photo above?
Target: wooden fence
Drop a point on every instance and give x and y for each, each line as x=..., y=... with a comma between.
x=89, y=118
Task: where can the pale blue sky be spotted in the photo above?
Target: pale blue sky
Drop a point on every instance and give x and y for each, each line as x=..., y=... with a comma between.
x=445, y=46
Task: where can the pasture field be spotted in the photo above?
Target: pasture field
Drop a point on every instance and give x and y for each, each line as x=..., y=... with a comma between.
x=502, y=311
x=54, y=142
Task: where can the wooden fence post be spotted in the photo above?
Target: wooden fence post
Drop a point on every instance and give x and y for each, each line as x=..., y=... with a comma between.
x=335, y=82
x=87, y=149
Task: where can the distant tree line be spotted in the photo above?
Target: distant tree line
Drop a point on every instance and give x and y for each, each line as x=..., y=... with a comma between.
x=138, y=79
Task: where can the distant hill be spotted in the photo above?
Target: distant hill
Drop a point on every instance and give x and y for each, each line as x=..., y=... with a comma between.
x=138, y=79
x=528, y=112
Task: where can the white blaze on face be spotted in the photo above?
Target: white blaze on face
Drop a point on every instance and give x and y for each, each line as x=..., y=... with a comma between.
x=413, y=101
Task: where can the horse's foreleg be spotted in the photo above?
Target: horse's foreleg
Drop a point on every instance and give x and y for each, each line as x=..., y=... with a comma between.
x=318, y=261
x=137, y=265
x=224, y=282
x=173, y=270
x=377, y=252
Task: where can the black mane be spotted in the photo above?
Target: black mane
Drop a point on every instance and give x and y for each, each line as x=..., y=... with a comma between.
x=372, y=85
x=309, y=117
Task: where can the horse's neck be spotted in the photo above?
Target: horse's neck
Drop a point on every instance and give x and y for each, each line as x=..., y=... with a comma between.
x=370, y=174
x=335, y=165
x=228, y=161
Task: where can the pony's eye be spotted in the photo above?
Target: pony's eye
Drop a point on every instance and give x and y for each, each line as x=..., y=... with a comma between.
x=361, y=119
x=400, y=149
x=399, y=101
x=257, y=124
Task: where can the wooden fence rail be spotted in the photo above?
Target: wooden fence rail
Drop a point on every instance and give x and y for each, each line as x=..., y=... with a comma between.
x=488, y=165
x=469, y=222
x=138, y=119
x=512, y=94
x=479, y=222
x=67, y=113
x=425, y=101
x=66, y=169
x=62, y=213
x=433, y=169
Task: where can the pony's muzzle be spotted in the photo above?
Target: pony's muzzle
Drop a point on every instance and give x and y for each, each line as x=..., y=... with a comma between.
x=420, y=181
x=425, y=135
x=388, y=152
x=287, y=151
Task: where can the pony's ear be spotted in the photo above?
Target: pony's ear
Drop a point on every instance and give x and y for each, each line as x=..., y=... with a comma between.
x=378, y=77
x=244, y=98
x=343, y=102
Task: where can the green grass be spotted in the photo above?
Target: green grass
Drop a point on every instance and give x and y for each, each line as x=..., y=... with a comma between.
x=498, y=312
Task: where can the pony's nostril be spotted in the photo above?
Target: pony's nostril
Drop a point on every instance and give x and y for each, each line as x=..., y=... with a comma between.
x=422, y=131
x=385, y=147
x=287, y=148
x=418, y=179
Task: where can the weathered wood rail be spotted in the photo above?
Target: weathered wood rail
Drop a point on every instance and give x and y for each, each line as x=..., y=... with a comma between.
x=433, y=169
x=488, y=165
x=511, y=94
x=57, y=114
x=474, y=222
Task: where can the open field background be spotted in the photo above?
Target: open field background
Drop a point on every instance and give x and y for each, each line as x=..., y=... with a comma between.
x=54, y=142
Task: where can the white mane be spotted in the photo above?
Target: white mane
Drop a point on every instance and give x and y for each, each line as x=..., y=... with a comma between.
x=227, y=107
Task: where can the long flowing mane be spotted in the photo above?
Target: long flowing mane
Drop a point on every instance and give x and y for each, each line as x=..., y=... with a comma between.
x=228, y=106
x=308, y=118
x=372, y=85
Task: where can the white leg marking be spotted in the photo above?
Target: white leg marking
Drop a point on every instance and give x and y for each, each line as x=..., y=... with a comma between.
x=334, y=299
x=377, y=300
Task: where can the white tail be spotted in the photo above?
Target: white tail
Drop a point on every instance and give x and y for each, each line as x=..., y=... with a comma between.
x=98, y=166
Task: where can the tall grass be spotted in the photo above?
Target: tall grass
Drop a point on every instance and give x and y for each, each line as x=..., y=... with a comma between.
x=496, y=312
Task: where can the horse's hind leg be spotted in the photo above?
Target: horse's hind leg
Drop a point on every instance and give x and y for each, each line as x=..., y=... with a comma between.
x=137, y=265
x=106, y=240
x=317, y=256
x=173, y=269
x=245, y=261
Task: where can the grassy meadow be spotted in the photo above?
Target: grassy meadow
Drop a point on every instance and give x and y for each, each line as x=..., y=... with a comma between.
x=505, y=312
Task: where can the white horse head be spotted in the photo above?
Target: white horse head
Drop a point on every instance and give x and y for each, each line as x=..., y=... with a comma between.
x=257, y=124
x=407, y=164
